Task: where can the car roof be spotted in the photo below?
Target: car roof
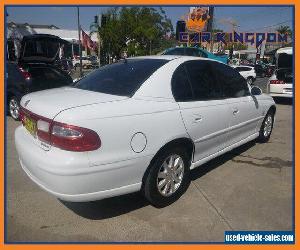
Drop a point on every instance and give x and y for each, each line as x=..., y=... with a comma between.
x=173, y=57
x=286, y=50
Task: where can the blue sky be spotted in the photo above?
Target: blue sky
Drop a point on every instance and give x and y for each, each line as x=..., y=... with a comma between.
x=247, y=18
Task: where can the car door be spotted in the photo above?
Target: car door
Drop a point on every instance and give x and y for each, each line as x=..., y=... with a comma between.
x=245, y=110
x=204, y=111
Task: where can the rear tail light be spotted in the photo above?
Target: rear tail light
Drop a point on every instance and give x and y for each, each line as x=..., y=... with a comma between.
x=21, y=115
x=74, y=138
x=64, y=136
x=277, y=82
x=43, y=130
x=25, y=73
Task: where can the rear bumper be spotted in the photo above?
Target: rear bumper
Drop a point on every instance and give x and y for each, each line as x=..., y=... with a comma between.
x=281, y=95
x=61, y=177
x=281, y=90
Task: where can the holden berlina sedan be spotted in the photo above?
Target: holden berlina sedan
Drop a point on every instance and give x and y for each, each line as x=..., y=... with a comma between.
x=138, y=125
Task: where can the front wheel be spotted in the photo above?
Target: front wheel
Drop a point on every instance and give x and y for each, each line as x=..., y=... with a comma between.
x=14, y=108
x=266, y=127
x=168, y=177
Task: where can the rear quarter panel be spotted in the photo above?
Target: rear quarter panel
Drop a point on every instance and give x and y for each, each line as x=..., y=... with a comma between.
x=117, y=122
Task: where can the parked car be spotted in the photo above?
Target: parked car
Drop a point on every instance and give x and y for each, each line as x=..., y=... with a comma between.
x=247, y=72
x=280, y=83
x=260, y=70
x=194, y=51
x=34, y=71
x=65, y=64
x=139, y=124
x=87, y=62
x=270, y=70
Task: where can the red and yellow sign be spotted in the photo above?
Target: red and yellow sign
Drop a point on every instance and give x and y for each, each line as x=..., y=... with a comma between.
x=197, y=19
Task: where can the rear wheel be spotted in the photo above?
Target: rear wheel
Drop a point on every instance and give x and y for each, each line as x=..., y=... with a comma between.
x=14, y=108
x=266, y=127
x=168, y=177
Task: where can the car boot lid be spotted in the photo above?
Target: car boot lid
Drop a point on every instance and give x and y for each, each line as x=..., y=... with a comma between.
x=49, y=103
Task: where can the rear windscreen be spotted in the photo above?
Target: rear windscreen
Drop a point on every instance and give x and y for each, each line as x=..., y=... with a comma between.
x=122, y=78
x=41, y=48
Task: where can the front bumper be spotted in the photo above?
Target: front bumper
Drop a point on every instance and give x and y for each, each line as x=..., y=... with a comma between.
x=68, y=176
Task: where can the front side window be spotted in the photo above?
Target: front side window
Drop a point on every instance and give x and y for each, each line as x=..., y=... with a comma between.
x=123, y=78
x=203, y=81
x=233, y=84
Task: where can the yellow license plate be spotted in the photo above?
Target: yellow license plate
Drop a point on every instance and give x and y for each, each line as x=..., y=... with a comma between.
x=30, y=125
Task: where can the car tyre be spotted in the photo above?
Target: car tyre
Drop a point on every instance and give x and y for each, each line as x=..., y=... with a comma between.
x=167, y=177
x=266, y=127
x=14, y=107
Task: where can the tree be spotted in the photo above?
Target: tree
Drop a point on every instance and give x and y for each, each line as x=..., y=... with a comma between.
x=137, y=30
x=284, y=30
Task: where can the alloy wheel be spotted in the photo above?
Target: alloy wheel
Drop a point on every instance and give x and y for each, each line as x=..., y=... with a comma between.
x=170, y=175
x=14, y=108
x=268, y=126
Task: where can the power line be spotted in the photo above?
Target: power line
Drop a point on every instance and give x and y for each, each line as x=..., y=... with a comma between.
x=269, y=26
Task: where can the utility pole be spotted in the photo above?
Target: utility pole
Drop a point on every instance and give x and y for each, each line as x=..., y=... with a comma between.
x=210, y=26
x=79, y=41
x=99, y=40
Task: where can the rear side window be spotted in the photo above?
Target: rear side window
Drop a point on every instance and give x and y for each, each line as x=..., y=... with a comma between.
x=123, y=78
x=233, y=84
x=203, y=81
x=181, y=87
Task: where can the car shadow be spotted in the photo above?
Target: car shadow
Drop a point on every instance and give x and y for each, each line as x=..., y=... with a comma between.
x=283, y=100
x=107, y=208
x=220, y=160
x=115, y=206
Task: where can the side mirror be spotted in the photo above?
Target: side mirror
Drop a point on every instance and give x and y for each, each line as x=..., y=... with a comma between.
x=256, y=90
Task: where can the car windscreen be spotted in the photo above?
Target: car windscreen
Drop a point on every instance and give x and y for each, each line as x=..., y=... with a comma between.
x=122, y=78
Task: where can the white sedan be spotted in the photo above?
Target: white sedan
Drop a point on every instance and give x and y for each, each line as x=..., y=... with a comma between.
x=248, y=72
x=139, y=124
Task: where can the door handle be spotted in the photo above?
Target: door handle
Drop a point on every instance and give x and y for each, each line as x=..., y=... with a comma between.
x=235, y=111
x=197, y=118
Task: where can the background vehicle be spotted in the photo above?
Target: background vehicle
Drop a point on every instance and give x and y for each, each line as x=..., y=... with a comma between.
x=36, y=70
x=281, y=82
x=247, y=72
x=197, y=52
x=176, y=104
x=260, y=70
x=270, y=70
x=87, y=62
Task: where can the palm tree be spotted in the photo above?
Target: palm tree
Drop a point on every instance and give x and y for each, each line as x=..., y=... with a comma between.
x=284, y=30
